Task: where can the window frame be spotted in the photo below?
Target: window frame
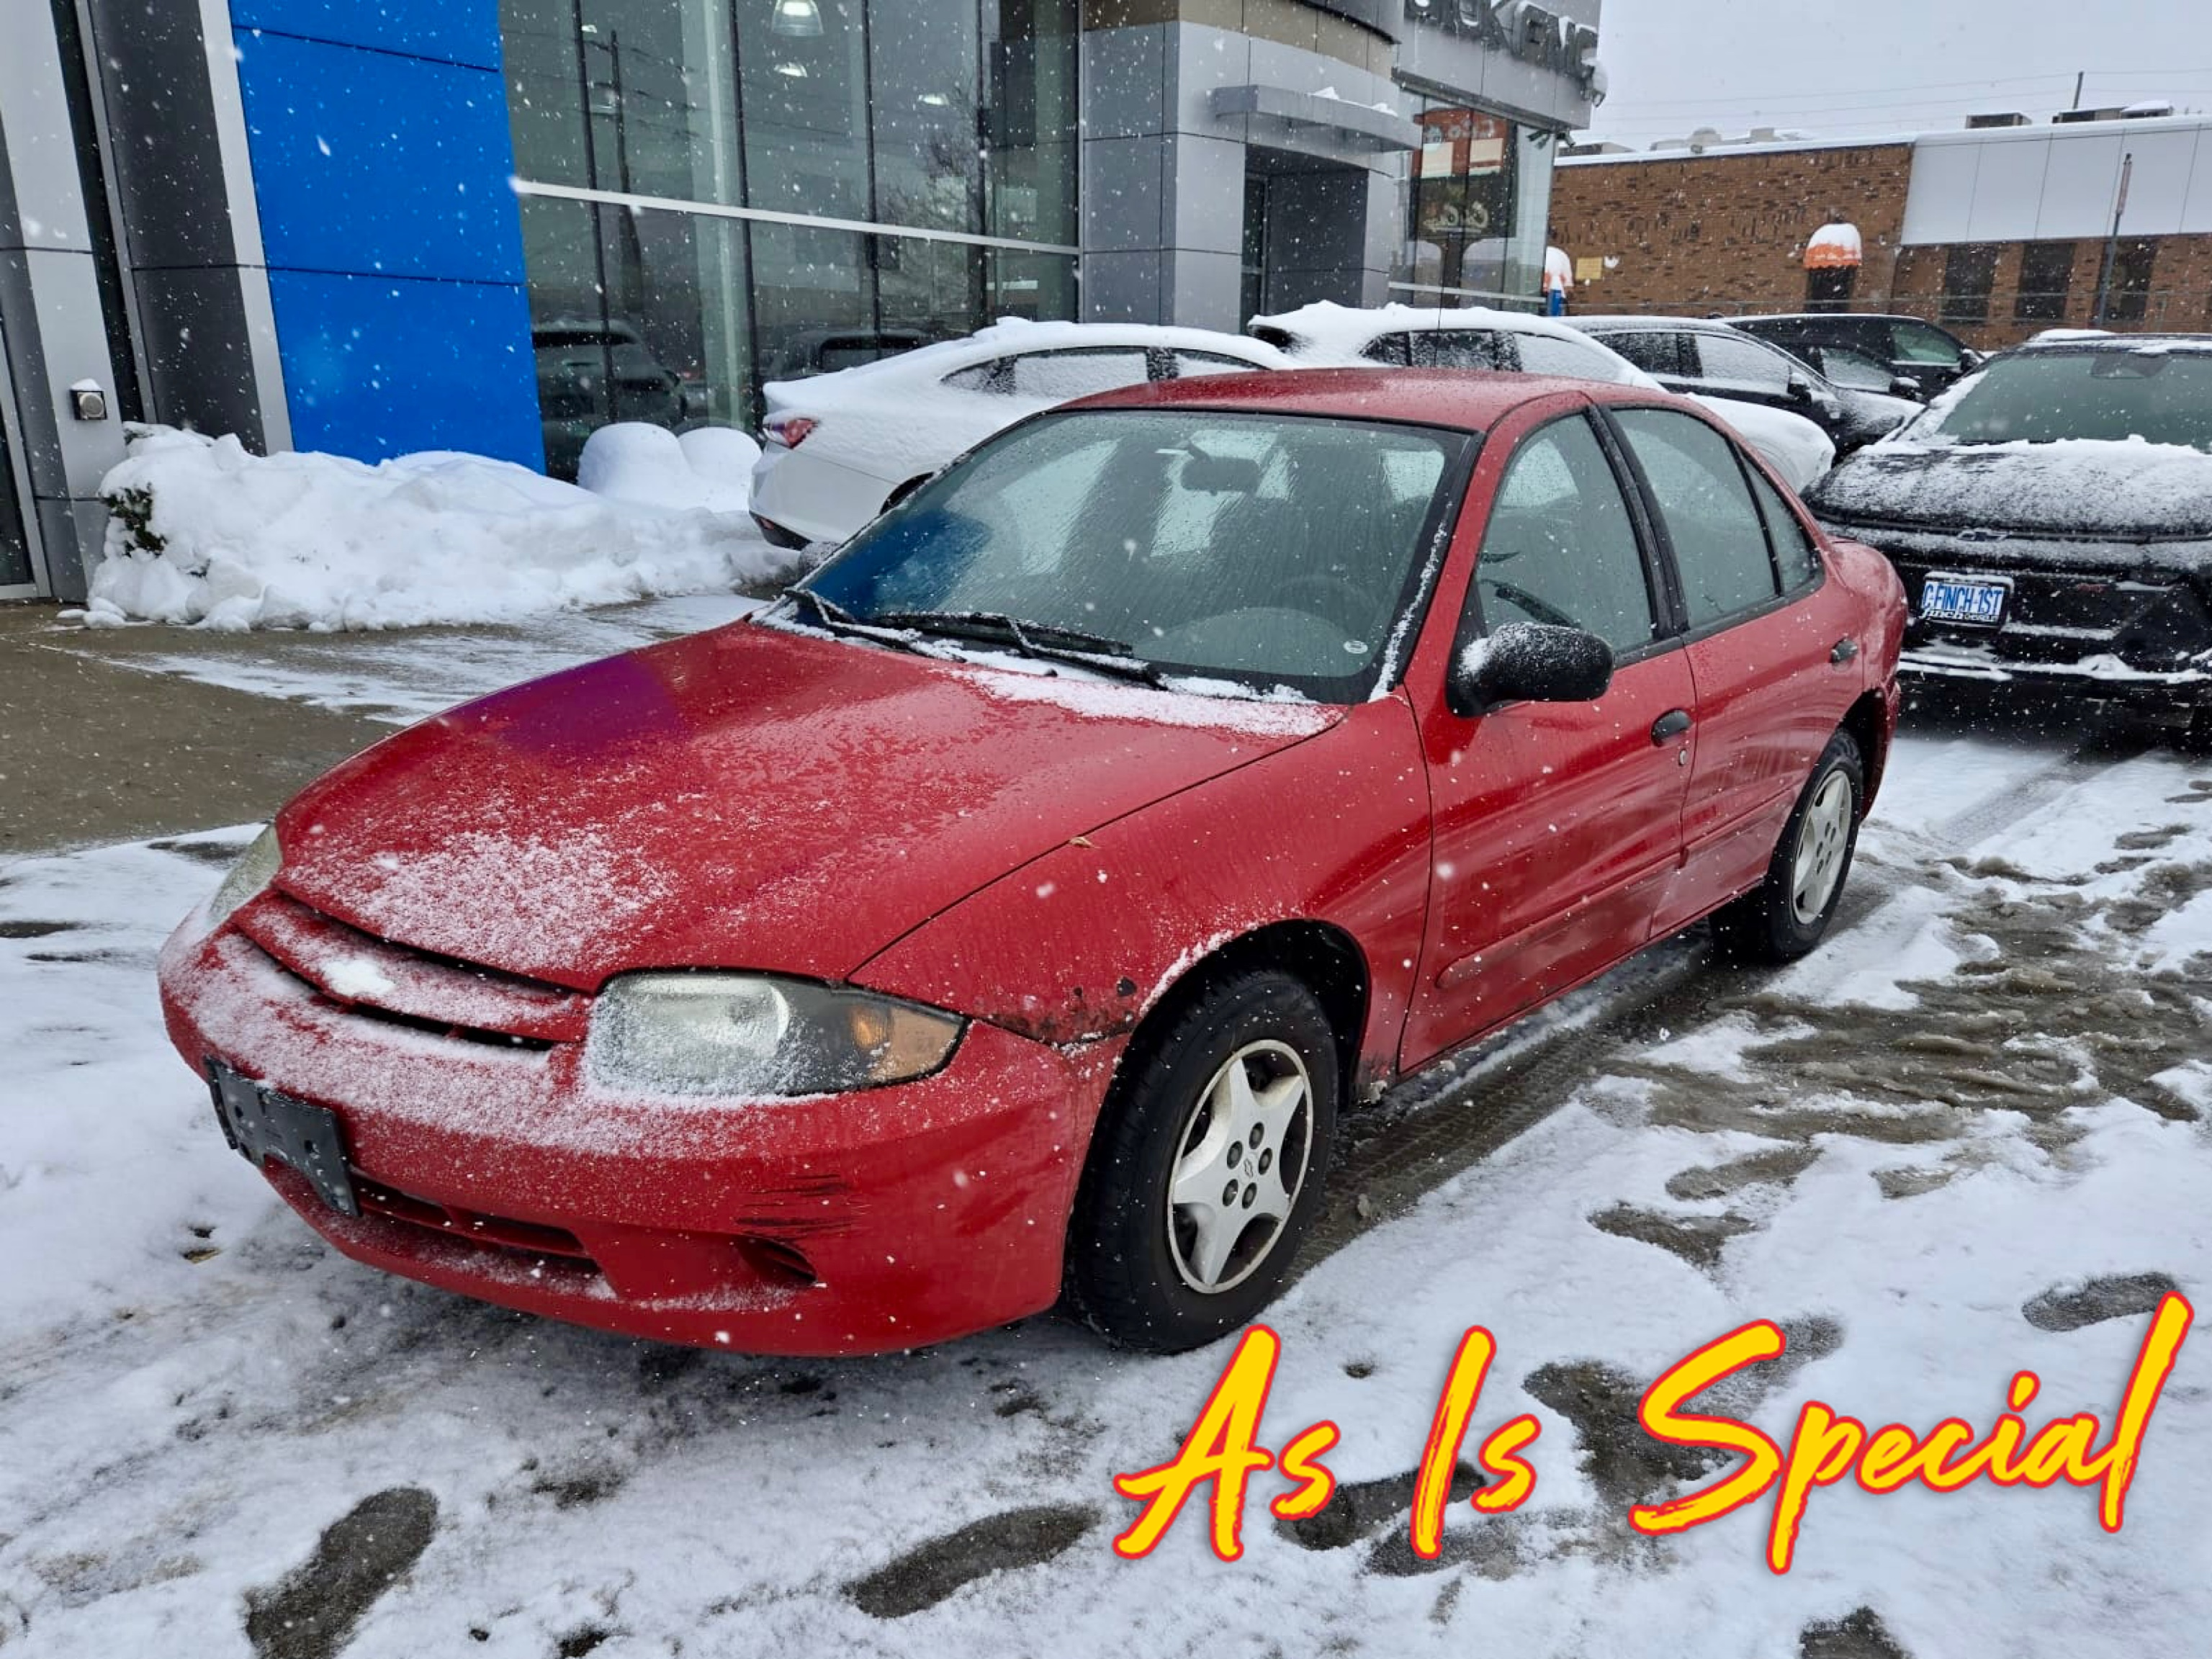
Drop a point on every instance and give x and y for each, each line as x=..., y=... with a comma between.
x=1659, y=582
x=1687, y=634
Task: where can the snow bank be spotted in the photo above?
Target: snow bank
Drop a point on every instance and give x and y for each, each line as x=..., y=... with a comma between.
x=650, y=466
x=205, y=533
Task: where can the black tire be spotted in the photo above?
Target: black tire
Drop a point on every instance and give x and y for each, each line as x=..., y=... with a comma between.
x=1768, y=924
x=1127, y=1272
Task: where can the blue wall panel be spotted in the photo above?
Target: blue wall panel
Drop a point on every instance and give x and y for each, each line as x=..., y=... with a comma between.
x=375, y=368
x=382, y=164
x=455, y=31
x=369, y=162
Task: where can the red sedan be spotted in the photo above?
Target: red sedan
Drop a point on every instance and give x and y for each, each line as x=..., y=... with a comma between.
x=1003, y=917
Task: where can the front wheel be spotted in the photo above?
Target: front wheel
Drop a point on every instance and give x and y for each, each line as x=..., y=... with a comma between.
x=1206, y=1168
x=1786, y=915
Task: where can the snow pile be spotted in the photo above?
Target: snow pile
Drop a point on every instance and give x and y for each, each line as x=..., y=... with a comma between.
x=1326, y=332
x=205, y=532
x=650, y=466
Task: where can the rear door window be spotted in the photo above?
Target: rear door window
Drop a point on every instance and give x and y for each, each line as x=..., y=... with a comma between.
x=1741, y=364
x=1795, y=556
x=1463, y=348
x=1654, y=350
x=1916, y=342
x=1547, y=354
x=1191, y=364
x=1720, y=543
x=1078, y=372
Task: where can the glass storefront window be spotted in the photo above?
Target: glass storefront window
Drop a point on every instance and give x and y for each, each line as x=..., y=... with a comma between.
x=901, y=113
x=1477, y=203
x=634, y=316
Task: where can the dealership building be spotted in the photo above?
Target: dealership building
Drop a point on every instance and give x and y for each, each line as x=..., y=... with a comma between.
x=376, y=226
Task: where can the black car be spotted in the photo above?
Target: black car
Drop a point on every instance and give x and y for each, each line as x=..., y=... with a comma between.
x=2052, y=519
x=1712, y=360
x=1928, y=358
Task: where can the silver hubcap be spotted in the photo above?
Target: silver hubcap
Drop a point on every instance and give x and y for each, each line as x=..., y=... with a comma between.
x=1241, y=1167
x=1821, y=839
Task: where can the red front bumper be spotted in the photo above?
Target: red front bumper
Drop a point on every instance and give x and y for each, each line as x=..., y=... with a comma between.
x=846, y=1223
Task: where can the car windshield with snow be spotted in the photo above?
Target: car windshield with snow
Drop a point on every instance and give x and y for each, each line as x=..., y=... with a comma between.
x=2051, y=516
x=1005, y=917
x=1275, y=551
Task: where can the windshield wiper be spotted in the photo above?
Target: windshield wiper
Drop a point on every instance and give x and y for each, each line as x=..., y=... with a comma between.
x=838, y=620
x=1048, y=641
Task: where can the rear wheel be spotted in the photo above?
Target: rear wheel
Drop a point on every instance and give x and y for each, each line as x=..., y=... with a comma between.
x=1786, y=915
x=1206, y=1168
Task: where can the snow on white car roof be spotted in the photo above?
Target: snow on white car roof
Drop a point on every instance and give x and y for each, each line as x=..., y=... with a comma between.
x=1005, y=337
x=1326, y=328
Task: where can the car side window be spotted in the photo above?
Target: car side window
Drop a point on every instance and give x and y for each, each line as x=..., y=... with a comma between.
x=1078, y=372
x=1561, y=547
x=1462, y=347
x=1654, y=350
x=1918, y=343
x=1395, y=349
x=1547, y=354
x=1795, y=556
x=1189, y=365
x=1743, y=362
x=984, y=377
x=1720, y=544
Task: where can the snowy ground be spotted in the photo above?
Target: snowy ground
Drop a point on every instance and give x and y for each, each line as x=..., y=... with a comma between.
x=1992, y=1085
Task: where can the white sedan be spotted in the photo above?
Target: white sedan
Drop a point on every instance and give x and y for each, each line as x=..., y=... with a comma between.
x=839, y=448
x=1430, y=337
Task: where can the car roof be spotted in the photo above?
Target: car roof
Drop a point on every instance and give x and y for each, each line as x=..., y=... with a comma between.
x=1630, y=323
x=1470, y=400
x=1833, y=317
x=1013, y=336
x=2096, y=339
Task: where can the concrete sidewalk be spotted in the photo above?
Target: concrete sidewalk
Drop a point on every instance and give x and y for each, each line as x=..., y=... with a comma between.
x=116, y=734
x=91, y=750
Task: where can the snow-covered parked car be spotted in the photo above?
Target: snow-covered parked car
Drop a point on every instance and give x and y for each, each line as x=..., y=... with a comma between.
x=1429, y=336
x=2051, y=516
x=838, y=448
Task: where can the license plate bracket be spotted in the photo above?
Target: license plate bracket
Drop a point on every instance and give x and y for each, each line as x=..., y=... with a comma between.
x=261, y=1123
x=1965, y=601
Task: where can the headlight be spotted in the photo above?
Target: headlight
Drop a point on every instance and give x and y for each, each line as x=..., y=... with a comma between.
x=255, y=869
x=744, y=1034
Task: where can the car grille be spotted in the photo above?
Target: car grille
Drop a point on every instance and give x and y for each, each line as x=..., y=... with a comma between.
x=376, y=979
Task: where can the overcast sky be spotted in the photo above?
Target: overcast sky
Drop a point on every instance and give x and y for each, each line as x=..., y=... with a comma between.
x=1881, y=66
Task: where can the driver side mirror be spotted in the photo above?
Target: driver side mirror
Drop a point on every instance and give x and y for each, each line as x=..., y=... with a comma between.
x=1903, y=386
x=1528, y=662
x=1970, y=360
x=1801, y=389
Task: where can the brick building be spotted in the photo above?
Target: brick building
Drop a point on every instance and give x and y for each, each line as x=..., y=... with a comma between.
x=1996, y=233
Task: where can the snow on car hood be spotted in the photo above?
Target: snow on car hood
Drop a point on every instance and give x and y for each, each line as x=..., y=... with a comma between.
x=747, y=798
x=2075, y=487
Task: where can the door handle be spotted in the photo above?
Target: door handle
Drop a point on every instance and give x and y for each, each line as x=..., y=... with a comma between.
x=1846, y=648
x=1669, y=726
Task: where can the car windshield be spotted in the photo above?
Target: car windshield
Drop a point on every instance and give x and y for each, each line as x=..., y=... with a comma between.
x=2040, y=397
x=1268, y=549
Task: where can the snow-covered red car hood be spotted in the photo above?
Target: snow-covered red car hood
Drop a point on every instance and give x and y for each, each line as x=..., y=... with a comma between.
x=753, y=797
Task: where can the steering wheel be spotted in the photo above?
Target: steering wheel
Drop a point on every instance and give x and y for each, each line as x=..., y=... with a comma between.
x=1540, y=610
x=1335, y=588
